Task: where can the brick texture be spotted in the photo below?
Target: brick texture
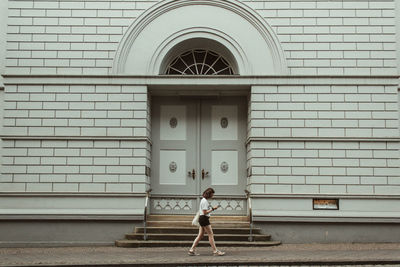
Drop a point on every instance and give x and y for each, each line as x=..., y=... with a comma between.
x=318, y=37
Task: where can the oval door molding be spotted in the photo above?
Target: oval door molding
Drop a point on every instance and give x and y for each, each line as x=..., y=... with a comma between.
x=173, y=122
x=224, y=166
x=224, y=122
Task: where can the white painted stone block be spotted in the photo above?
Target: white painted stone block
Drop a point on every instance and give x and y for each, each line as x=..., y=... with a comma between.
x=332, y=189
x=126, y=187
x=277, y=189
x=360, y=171
x=67, y=131
x=360, y=189
x=387, y=190
x=301, y=132
x=92, y=169
x=92, y=187
x=65, y=187
x=374, y=180
x=305, y=171
x=78, y=178
x=39, y=187
x=331, y=153
x=305, y=189
x=53, y=160
x=317, y=180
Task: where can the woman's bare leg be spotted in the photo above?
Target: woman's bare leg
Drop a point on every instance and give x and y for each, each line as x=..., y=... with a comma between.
x=210, y=234
x=198, y=238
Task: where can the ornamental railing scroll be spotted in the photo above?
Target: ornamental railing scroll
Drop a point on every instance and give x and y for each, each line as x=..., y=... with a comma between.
x=189, y=205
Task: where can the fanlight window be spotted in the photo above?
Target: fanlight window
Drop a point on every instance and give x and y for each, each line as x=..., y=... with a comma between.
x=199, y=62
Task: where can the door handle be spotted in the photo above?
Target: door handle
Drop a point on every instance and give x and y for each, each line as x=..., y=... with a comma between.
x=192, y=174
x=203, y=174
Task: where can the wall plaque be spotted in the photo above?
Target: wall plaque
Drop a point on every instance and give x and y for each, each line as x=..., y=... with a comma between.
x=325, y=204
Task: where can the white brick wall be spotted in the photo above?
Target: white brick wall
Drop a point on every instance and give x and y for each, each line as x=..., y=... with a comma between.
x=324, y=167
x=324, y=111
x=319, y=37
x=74, y=166
x=76, y=110
x=65, y=164
x=303, y=165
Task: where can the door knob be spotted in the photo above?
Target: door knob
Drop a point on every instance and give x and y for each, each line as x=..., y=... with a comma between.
x=203, y=174
x=192, y=174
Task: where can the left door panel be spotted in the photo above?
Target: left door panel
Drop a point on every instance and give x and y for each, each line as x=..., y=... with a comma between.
x=174, y=137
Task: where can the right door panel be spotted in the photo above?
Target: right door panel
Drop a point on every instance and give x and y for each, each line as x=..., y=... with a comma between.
x=223, y=138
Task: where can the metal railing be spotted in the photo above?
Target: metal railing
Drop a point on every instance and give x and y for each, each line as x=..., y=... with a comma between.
x=145, y=214
x=250, y=214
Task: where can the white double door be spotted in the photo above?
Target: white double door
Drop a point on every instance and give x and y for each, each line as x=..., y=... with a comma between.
x=198, y=143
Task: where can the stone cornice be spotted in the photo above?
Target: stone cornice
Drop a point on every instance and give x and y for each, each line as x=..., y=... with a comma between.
x=91, y=138
x=211, y=82
x=324, y=139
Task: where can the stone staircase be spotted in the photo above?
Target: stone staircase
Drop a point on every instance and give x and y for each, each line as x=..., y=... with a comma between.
x=176, y=230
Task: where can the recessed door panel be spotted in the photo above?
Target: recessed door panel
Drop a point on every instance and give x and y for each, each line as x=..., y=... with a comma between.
x=224, y=167
x=173, y=122
x=172, y=167
x=224, y=122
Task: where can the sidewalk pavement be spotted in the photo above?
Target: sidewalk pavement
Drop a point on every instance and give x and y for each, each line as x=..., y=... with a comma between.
x=287, y=254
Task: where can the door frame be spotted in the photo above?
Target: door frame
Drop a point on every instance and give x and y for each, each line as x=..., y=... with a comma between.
x=179, y=204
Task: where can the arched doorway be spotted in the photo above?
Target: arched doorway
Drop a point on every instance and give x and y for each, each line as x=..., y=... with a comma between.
x=198, y=135
x=198, y=141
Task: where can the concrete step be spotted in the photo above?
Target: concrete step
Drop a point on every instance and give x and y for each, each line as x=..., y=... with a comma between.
x=189, y=218
x=184, y=237
x=150, y=243
x=177, y=230
x=215, y=224
x=195, y=230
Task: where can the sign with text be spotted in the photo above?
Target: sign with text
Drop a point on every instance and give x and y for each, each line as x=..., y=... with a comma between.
x=325, y=204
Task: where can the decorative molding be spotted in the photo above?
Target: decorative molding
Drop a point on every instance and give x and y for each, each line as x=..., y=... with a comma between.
x=181, y=40
x=323, y=139
x=230, y=204
x=172, y=204
x=333, y=219
x=189, y=205
x=229, y=81
x=62, y=217
x=310, y=196
x=50, y=194
x=89, y=138
x=163, y=7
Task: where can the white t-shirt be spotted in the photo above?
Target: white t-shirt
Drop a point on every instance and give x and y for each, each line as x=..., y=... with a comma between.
x=204, y=205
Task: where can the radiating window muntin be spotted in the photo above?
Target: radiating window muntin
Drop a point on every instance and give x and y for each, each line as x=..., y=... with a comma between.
x=199, y=62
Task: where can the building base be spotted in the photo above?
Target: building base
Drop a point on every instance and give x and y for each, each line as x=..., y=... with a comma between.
x=322, y=232
x=56, y=233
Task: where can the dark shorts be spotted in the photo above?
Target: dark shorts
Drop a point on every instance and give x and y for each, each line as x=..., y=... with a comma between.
x=204, y=220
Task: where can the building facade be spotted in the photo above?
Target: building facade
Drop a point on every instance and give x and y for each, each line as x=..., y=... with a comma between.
x=112, y=106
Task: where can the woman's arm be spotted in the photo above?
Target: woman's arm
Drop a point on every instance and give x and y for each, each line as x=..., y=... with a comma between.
x=210, y=210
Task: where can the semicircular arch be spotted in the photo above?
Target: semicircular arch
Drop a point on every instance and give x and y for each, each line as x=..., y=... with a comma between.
x=230, y=24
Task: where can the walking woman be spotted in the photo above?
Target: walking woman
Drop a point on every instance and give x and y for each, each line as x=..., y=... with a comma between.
x=205, y=226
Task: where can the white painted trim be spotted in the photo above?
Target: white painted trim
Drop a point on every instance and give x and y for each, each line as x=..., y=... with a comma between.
x=310, y=196
x=82, y=217
x=107, y=138
x=56, y=194
x=323, y=139
x=163, y=81
x=333, y=219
